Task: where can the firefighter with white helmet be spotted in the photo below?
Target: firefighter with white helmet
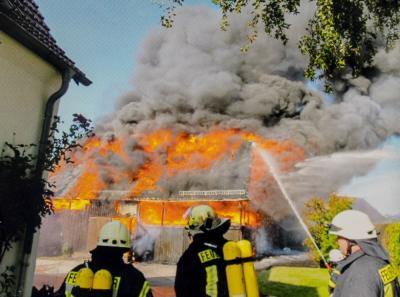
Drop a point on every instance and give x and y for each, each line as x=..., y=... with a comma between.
x=201, y=270
x=366, y=270
x=106, y=274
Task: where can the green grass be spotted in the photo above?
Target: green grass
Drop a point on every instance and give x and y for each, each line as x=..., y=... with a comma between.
x=294, y=282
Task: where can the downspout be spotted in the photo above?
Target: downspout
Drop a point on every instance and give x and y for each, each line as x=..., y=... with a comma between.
x=48, y=117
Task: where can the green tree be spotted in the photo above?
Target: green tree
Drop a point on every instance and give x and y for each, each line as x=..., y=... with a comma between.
x=318, y=215
x=391, y=240
x=342, y=34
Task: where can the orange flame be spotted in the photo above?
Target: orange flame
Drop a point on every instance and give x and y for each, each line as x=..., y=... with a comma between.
x=171, y=212
x=70, y=204
x=167, y=154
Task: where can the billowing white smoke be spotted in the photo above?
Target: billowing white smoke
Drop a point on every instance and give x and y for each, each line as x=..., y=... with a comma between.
x=143, y=242
x=371, y=175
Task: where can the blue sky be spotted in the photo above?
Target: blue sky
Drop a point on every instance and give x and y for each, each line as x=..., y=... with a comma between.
x=380, y=187
x=102, y=37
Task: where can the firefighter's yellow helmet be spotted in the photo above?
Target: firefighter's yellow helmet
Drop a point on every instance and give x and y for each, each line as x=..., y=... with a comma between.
x=114, y=234
x=203, y=218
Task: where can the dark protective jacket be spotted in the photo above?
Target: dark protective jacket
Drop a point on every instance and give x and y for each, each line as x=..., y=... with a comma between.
x=363, y=275
x=201, y=269
x=127, y=280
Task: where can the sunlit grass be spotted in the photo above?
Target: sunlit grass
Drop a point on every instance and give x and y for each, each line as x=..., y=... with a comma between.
x=294, y=281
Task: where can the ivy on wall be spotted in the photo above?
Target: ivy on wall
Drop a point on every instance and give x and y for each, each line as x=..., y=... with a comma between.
x=25, y=193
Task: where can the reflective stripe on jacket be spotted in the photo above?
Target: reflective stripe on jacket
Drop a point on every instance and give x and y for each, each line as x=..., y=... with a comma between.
x=201, y=269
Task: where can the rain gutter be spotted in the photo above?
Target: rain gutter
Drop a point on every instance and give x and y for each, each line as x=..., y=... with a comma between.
x=67, y=75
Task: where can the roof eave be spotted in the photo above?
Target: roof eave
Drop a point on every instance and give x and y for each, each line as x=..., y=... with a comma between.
x=14, y=30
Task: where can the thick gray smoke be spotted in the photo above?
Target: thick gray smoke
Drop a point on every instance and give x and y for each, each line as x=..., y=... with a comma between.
x=194, y=77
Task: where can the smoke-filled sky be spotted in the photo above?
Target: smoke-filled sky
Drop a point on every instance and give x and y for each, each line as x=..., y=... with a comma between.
x=194, y=77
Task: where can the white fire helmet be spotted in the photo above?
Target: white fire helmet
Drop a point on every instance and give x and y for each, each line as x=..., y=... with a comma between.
x=202, y=218
x=335, y=256
x=353, y=225
x=114, y=234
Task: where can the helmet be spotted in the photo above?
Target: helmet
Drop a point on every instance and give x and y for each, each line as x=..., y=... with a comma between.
x=335, y=256
x=114, y=234
x=203, y=218
x=352, y=225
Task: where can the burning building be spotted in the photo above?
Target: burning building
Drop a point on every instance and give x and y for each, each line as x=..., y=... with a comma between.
x=179, y=171
x=197, y=104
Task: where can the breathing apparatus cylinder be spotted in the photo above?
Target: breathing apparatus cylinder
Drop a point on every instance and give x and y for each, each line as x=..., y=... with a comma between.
x=234, y=271
x=84, y=278
x=250, y=276
x=102, y=283
x=83, y=283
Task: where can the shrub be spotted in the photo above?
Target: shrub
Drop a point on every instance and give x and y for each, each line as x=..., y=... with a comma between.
x=318, y=215
x=391, y=241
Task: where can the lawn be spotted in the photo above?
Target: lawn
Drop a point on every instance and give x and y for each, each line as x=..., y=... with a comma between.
x=294, y=282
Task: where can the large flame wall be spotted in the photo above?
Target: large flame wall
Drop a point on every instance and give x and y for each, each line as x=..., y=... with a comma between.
x=172, y=212
x=165, y=154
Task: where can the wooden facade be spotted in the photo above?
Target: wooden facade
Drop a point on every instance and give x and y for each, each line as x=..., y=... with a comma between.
x=162, y=218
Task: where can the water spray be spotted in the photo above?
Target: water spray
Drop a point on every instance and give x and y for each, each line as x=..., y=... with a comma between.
x=271, y=164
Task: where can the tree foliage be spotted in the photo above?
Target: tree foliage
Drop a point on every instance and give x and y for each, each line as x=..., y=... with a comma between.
x=391, y=240
x=25, y=193
x=7, y=281
x=318, y=215
x=342, y=35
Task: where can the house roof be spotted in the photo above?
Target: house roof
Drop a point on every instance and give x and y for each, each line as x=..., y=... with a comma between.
x=22, y=20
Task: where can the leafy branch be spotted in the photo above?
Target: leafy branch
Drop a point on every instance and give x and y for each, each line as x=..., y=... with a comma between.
x=7, y=281
x=318, y=215
x=25, y=192
x=342, y=36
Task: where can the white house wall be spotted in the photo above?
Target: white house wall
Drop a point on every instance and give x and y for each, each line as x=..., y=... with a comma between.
x=26, y=83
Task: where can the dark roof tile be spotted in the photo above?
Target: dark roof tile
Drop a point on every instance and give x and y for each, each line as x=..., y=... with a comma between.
x=26, y=15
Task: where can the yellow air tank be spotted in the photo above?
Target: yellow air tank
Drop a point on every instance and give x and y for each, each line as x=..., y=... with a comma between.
x=234, y=272
x=84, y=278
x=102, y=280
x=250, y=276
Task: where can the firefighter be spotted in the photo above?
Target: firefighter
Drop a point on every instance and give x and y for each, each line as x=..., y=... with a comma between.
x=201, y=270
x=366, y=270
x=107, y=275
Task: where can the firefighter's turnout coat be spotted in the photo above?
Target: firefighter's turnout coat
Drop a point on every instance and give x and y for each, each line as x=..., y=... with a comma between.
x=127, y=280
x=367, y=276
x=201, y=269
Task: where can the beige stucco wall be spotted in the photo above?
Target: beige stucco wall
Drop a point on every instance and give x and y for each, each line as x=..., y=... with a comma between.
x=26, y=82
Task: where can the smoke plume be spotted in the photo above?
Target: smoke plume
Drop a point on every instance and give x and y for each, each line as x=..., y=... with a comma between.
x=194, y=77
